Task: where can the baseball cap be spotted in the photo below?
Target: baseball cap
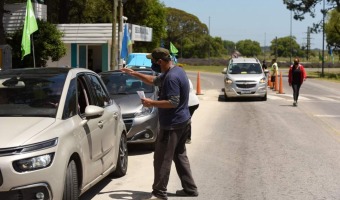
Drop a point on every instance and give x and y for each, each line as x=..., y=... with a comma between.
x=159, y=53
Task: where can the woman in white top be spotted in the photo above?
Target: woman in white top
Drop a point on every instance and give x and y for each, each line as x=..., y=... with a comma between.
x=193, y=105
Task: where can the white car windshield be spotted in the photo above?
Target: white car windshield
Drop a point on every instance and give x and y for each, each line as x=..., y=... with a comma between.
x=245, y=68
x=35, y=95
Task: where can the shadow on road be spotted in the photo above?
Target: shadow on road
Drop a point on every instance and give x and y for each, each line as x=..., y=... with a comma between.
x=139, y=149
x=119, y=194
x=222, y=99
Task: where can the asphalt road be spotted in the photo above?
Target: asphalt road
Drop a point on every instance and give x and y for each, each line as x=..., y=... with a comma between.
x=250, y=149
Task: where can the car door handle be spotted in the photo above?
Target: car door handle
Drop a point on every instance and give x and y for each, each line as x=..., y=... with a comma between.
x=115, y=115
x=101, y=124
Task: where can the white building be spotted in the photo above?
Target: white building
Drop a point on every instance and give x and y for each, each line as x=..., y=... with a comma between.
x=88, y=45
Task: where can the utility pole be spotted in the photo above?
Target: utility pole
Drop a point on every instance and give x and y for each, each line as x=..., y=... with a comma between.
x=120, y=32
x=323, y=39
x=291, y=38
x=276, y=47
x=113, y=39
x=308, y=42
x=265, y=46
x=209, y=41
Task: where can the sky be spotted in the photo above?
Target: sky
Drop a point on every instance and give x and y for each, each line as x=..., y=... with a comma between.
x=258, y=20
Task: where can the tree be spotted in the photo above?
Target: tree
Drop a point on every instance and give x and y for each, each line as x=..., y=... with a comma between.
x=248, y=47
x=188, y=33
x=150, y=13
x=47, y=44
x=332, y=29
x=302, y=7
x=216, y=47
x=285, y=46
x=229, y=46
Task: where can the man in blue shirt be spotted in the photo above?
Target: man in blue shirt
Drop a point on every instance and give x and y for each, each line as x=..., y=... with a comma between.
x=175, y=123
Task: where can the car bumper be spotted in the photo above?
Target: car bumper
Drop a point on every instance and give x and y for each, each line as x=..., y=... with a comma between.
x=38, y=191
x=232, y=91
x=30, y=184
x=142, y=129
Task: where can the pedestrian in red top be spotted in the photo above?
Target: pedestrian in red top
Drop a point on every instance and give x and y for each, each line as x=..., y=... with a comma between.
x=296, y=76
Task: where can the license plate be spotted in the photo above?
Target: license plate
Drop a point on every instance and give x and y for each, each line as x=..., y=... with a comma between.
x=245, y=91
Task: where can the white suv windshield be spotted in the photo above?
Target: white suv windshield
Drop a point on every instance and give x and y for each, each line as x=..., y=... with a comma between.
x=244, y=68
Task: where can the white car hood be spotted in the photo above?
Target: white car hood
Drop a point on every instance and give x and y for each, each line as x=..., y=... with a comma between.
x=15, y=131
x=246, y=77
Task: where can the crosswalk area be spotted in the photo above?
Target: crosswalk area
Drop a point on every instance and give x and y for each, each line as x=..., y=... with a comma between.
x=272, y=95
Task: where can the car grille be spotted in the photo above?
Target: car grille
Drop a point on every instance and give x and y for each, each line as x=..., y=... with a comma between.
x=129, y=115
x=1, y=180
x=245, y=85
x=128, y=120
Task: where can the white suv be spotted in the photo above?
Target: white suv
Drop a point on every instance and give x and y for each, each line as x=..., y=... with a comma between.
x=244, y=77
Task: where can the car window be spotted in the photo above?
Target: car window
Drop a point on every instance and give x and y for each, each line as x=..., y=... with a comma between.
x=82, y=94
x=234, y=69
x=70, y=108
x=100, y=96
x=245, y=68
x=121, y=83
x=30, y=94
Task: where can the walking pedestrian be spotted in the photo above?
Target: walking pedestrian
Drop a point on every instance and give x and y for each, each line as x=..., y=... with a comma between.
x=275, y=71
x=175, y=123
x=193, y=104
x=264, y=65
x=296, y=76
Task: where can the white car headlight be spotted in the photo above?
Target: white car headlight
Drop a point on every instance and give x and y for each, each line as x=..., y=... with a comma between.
x=263, y=80
x=34, y=163
x=228, y=81
x=144, y=111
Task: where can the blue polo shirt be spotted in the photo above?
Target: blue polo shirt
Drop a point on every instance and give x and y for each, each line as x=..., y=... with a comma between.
x=174, y=82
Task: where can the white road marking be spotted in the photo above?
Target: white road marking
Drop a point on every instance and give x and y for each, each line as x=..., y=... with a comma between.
x=325, y=99
x=327, y=116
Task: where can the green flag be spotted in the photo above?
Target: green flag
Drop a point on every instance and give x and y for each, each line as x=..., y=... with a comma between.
x=173, y=48
x=30, y=26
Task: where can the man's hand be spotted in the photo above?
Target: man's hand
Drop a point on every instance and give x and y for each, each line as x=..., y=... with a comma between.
x=147, y=102
x=128, y=71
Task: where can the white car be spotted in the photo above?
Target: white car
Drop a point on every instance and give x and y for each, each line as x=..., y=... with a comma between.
x=61, y=133
x=244, y=77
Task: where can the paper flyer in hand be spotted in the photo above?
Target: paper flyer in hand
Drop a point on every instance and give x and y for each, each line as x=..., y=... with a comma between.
x=141, y=94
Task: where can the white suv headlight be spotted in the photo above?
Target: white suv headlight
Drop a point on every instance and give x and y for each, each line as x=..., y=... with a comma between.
x=34, y=163
x=228, y=81
x=263, y=80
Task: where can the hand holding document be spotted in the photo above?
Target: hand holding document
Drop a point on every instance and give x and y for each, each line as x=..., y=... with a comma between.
x=141, y=94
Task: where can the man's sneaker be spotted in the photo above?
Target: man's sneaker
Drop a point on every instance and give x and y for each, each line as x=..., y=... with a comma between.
x=294, y=104
x=183, y=193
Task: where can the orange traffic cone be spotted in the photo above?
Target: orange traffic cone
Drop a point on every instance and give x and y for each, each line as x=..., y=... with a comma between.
x=276, y=83
x=198, y=88
x=281, y=85
x=269, y=81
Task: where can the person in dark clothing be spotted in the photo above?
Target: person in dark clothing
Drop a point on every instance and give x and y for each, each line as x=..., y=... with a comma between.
x=264, y=65
x=296, y=76
x=175, y=123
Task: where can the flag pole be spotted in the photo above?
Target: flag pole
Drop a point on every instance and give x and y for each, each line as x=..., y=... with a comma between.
x=33, y=50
